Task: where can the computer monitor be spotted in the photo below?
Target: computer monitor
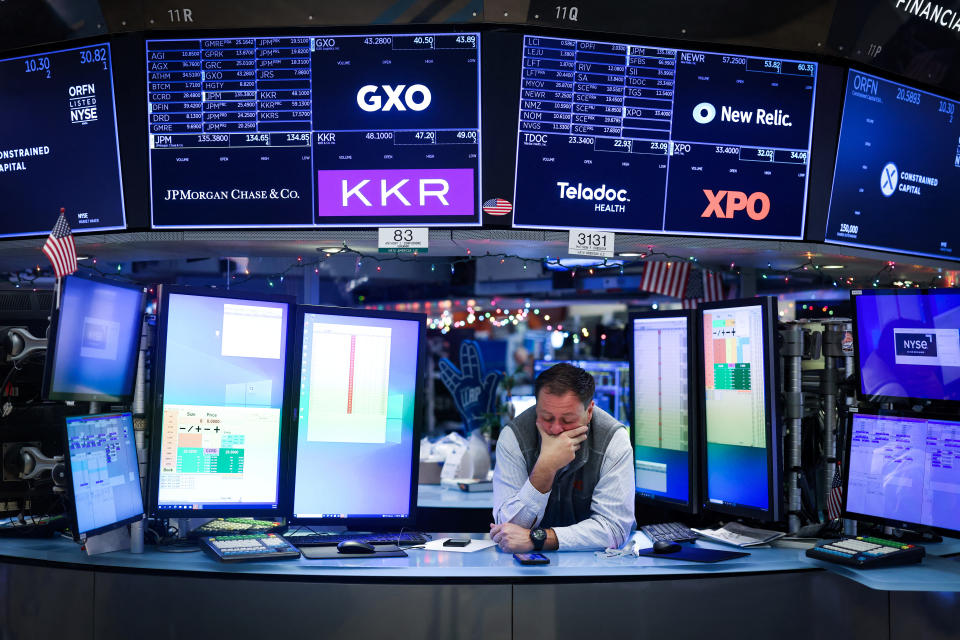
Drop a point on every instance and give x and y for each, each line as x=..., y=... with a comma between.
x=903, y=471
x=741, y=413
x=221, y=402
x=664, y=434
x=612, y=380
x=94, y=341
x=908, y=342
x=522, y=403
x=357, y=417
x=103, y=470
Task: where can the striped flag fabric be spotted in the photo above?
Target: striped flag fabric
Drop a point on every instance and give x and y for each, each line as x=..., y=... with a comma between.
x=835, y=495
x=704, y=286
x=60, y=249
x=497, y=207
x=666, y=278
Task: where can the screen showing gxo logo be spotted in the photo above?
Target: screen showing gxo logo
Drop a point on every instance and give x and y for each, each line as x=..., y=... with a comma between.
x=401, y=97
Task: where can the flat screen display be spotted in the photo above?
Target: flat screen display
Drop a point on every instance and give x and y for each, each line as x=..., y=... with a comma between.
x=356, y=417
x=224, y=366
x=904, y=470
x=735, y=419
x=661, y=408
x=314, y=130
x=58, y=142
x=908, y=343
x=899, y=152
x=104, y=471
x=633, y=138
x=612, y=379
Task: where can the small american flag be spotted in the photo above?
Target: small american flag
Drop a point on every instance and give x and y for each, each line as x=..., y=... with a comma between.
x=497, y=207
x=666, y=278
x=59, y=248
x=704, y=286
x=835, y=495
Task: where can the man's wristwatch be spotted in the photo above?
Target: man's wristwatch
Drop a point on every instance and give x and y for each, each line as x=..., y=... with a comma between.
x=538, y=537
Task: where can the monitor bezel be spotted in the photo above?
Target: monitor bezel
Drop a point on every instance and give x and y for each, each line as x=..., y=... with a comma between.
x=159, y=367
x=879, y=520
x=936, y=404
x=50, y=363
x=78, y=535
x=692, y=505
x=357, y=523
x=772, y=408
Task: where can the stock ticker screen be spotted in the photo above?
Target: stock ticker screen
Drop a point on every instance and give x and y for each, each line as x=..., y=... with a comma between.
x=632, y=138
x=58, y=142
x=315, y=131
x=899, y=152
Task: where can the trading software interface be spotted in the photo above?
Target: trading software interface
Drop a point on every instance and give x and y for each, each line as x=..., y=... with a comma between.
x=661, y=409
x=98, y=332
x=634, y=138
x=908, y=344
x=905, y=469
x=612, y=380
x=104, y=469
x=355, y=419
x=735, y=412
x=58, y=142
x=899, y=152
x=320, y=130
x=222, y=399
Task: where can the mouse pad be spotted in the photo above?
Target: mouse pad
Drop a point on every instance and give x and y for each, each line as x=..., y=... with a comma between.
x=331, y=553
x=693, y=554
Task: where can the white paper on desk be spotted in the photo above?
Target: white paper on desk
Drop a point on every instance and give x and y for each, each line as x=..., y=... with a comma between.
x=640, y=541
x=475, y=545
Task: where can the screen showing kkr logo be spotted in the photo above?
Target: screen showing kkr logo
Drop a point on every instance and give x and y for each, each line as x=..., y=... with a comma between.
x=316, y=131
x=633, y=138
x=58, y=142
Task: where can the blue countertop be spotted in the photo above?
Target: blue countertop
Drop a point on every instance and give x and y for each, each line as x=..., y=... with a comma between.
x=433, y=496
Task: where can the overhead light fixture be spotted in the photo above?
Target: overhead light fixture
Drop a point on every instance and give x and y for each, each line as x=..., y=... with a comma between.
x=832, y=266
x=331, y=249
x=629, y=254
x=79, y=257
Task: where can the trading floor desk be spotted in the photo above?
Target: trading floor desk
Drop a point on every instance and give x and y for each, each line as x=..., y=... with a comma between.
x=49, y=588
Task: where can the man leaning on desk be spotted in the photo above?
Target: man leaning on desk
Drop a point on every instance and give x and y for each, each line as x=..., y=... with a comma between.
x=564, y=473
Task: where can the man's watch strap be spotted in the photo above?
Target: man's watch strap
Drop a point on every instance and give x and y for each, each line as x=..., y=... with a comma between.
x=538, y=536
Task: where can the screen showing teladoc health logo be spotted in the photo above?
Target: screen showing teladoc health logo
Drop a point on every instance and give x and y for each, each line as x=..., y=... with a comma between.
x=401, y=193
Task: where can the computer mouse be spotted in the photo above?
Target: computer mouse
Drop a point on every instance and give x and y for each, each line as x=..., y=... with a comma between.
x=355, y=546
x=664, y=546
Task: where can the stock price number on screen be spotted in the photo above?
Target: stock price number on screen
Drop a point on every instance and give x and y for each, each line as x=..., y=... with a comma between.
x=41, y=64
x=378, y=40
x=852, y=229
x=906, y=95
x=379, y=135
x=91, y=56
x=467, y=135
x=948, y=108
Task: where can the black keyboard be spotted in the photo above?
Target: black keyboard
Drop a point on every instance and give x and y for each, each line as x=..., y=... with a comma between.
x=866, y=552
x=308, y=538
x=669, y=531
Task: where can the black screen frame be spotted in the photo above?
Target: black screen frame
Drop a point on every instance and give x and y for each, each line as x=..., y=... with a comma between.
x=50, y=364
x=159, y=367
x=692, y=506
x=772, y=407
x=879, y=520
x=359, y=524
x=78, y=535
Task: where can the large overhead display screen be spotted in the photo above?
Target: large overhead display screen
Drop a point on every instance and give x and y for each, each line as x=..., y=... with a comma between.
x=58, y=142
x=631, y=138
x=899, y=152
x=315, y=131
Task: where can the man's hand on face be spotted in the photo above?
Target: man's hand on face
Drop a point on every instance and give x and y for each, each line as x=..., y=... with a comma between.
x=511, y=538
x=557, y=451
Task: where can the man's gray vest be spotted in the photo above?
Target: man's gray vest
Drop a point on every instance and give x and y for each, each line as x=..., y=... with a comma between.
x=573, y=486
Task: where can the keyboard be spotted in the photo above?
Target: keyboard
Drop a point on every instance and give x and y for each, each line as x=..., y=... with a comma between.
x=669, y=531
x=254, y=546
x=308, y=538
x=867, y=552
x=224, y=526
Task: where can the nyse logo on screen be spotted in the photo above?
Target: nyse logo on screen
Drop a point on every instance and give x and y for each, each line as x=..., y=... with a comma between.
x=401, y=97
x=396, y=192
x=757, y=205
x=82, y=103
x=916, y=344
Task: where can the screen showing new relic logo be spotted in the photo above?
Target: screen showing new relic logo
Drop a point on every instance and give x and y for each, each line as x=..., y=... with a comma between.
x=899, y=151
x=908, y=343
x=58, y=142
x=315, y=130
x=633, y=138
